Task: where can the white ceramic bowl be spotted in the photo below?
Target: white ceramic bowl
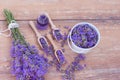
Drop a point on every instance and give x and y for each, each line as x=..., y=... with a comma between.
x=79, y=49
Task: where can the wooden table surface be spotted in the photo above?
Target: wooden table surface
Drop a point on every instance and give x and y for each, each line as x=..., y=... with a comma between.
x=103, y=62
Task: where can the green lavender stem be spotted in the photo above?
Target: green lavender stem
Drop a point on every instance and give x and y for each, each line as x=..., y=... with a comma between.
x=15, y=31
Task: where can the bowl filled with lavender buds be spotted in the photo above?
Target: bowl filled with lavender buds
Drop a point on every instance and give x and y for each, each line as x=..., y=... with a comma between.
x=83, y=37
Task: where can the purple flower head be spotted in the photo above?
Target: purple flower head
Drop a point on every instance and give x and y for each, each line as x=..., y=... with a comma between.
x=84, y=36
x=27, y=64
x=60, y=56
x=50, y=51
x=79, y=57
x=43, y=43
x=74, y=66
x=57, y=35
x=79, y=67
x=64, y=39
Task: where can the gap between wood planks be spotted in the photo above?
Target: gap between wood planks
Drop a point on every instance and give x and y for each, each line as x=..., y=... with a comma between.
x=66, y=19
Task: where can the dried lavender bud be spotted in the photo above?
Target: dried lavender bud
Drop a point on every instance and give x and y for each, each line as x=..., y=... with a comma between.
x=60, y=56
x=58, y=67
x=63, y=50
x=74, y=66
x=43, y=43
x=68, y=75
x=50, y=51
x=42, y=22
x=58, y=36
x=79, y=57
x=64, y=39
x=79, y=67
x=84, y=36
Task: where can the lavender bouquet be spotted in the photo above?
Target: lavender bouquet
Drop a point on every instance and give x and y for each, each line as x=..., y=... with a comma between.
x=27, y=63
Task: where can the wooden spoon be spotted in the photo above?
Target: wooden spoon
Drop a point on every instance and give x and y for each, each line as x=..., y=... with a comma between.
x=56, y=31
x=58, y=52
x=41, y=39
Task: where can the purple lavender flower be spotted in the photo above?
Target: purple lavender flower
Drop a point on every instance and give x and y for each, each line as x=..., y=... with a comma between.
x=50, y=51
x=84, y=36
x=74, y=66
x=58, y=36
x=64, y=39
x=27, y=64
x=60, y=56
x=79, y=57
x=43, y=42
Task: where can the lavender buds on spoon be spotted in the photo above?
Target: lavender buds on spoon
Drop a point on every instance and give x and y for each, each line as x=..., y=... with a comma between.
x=56, y=31
x=58, y=52
x=41, y=39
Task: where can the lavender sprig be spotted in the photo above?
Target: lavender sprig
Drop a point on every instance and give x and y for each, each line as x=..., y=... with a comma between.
x=74, y=66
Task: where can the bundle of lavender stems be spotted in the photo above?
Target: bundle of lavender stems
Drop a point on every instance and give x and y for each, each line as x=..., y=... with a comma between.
x=27, y=63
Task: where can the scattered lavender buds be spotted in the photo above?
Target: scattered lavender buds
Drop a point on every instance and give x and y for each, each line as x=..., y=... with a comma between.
x=43, y=43
x=50, y=51
x=65, y=36
x=74, y=66
x=84, y=36
x=57, y=35
x=42, y=22
x=64, y=39
x=66, y=27
x=60, y=57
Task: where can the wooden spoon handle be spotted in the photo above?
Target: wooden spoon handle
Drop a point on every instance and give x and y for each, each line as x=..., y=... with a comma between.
x=31, y=23
x=50, y=21
x=51, y=40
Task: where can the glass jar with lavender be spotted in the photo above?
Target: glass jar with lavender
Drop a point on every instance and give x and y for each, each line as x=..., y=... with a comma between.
x=83, y=37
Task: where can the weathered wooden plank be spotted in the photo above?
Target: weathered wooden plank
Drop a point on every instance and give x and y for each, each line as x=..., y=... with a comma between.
x=63, y=9
x=102, y=62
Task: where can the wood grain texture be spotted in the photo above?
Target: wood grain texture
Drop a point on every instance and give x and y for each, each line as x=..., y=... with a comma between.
x=63, y=9
x=102, y=62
